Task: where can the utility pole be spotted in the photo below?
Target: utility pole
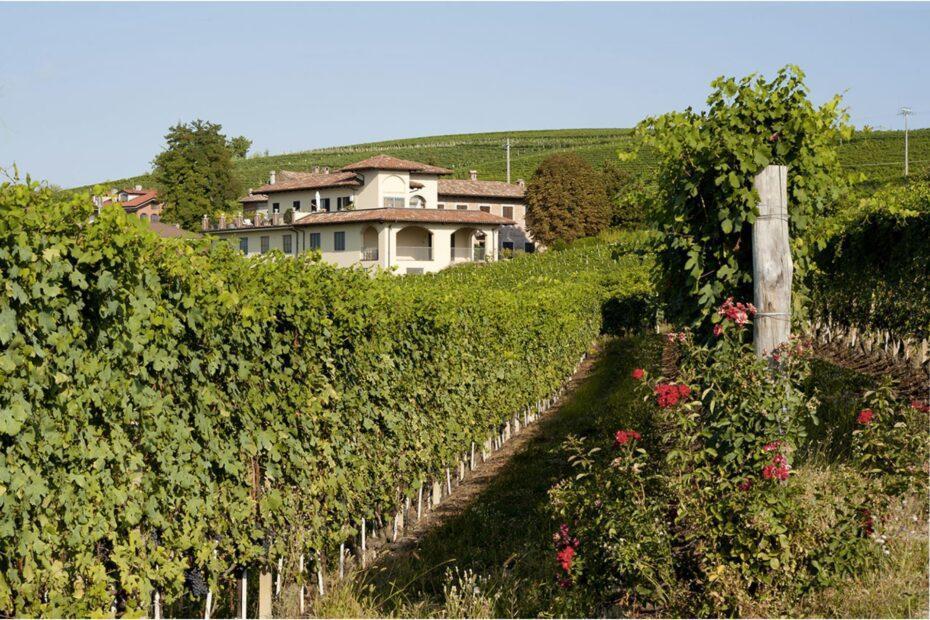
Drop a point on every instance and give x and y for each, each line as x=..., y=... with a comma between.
x=508, y=160
x=905, y=112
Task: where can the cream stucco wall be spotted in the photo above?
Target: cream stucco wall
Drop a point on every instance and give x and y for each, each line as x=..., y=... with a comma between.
x=389, y=238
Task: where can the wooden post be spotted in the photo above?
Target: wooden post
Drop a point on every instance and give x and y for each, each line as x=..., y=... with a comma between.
x=157, y=605
x=243, y=595
x=772, y=268
x=302, y=588
x=264, y=594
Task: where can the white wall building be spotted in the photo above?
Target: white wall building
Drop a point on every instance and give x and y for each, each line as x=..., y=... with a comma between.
x=382, y=211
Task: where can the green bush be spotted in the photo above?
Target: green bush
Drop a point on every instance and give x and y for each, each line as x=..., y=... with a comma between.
x=168, y=405
x=708, y=512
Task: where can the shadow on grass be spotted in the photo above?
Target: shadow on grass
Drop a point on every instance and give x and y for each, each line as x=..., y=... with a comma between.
x=504, y=534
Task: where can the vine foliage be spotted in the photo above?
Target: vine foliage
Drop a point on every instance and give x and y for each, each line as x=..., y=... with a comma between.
x=704, y=202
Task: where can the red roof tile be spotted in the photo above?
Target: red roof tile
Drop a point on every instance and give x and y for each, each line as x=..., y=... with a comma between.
x=254, y=198
x=425, y=216
x=146, y=195
x=480, y=189
x=288, y=181
x=386, y=162
x=170, y=231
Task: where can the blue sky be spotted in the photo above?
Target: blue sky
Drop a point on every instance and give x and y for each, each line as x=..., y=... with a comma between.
x=87, y=91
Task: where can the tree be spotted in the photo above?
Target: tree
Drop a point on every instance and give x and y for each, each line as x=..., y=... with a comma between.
x=194, y=174
x=626, y=192
x=240, y=146
x=566, y=199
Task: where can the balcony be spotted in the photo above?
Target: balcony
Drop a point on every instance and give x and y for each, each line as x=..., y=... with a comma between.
x=369, y=254
x=414, y=252
x=468, y=254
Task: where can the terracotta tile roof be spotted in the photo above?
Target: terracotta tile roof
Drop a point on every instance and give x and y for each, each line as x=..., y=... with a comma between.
x=287, y=180
x=386, y=162
x=171, y=231
x=482, y=189
x=254, y=198
x=424, y=216
x=145, y=196
x=437, y=216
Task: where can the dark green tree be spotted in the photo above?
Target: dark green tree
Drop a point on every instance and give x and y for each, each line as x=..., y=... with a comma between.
x=625, y=190
x=240, y=146
x=565, y=200
x=194, y=174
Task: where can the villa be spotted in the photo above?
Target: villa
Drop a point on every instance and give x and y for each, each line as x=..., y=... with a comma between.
x=382, y=211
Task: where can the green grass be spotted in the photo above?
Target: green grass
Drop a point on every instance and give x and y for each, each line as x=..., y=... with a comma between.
x=484, y=152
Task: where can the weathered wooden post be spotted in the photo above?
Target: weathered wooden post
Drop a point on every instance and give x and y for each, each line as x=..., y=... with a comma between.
x=772, y=267
x=264, y=594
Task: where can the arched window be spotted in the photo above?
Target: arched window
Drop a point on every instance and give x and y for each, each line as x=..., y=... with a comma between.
x=417, y=202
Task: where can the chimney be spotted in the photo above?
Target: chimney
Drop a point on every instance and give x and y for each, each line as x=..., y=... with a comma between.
x=521, y=183
x=325, y=169
x=473, y=174
x=271, y=178
x=250, y=191
x=138, y=188
x=205, y=223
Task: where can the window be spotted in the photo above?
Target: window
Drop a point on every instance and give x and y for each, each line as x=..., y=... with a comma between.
x=155, y=217
x=441, y=205
x=343, y=202
x=144, y=217
x=276, y=207
x=415, y=271
x=286, y=244
x=394, y=202
x=314, y=241
x=296, y=205
x=324, y=204
x=339, y=241
x=529, y=247
x=508, y=212
x=244, y=245
x=462, y=207
x=417, y=202
x=508, y=245
x=485, y=208
x=266, y=242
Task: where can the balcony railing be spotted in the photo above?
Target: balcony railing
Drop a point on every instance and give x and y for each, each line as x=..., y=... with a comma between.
x=369, y=253
x=414, y=252
x=468, y=254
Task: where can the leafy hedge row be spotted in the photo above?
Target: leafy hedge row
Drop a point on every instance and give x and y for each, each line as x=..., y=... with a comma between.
x=169, y=405
x=875, y=262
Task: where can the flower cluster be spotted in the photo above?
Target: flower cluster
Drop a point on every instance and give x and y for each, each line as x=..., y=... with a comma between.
x=565, y=545
x=745, y=485
x=738, y=312
x=772, y=447
x=920, y=406
x=668, y=394
x=638, y=374
x=865, y=417
x=778, y=469
x=676, y=336
x=621, y=438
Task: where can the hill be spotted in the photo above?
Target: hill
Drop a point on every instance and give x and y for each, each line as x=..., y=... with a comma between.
x=878, y=155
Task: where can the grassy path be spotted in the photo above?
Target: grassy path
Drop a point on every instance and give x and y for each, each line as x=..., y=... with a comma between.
x=495, y=532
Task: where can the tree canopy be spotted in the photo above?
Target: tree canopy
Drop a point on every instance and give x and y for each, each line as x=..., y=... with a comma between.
x=194, y=174
x=240, y=146
x=566, y=199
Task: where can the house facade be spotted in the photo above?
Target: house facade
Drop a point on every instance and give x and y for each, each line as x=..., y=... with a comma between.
x=382, y=211
x=138, y=201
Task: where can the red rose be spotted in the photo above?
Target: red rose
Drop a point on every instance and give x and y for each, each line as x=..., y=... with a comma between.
x=565, y=558
x=865, y=417
x=638, y=373
x=718, y=330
